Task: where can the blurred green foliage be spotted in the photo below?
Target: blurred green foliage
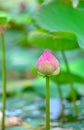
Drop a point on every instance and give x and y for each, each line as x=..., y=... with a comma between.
x=31, y=27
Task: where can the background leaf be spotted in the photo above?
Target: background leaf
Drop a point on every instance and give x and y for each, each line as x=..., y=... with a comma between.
x=60, y=16
x=55, y=41
x=63, y=78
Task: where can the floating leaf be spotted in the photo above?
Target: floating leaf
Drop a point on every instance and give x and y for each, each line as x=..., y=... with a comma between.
x=55, y=41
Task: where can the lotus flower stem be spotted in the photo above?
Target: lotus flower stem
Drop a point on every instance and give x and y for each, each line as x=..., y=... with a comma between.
x=71, y=84
x=47, y=104
x=47, y=65
x=4, y=82
x=61, y=98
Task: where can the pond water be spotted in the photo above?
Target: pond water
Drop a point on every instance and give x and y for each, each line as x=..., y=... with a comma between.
x=32, y=112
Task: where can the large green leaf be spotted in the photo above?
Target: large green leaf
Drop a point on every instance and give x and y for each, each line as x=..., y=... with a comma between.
x=55, y=41
x=59, y=16
x=63, y=78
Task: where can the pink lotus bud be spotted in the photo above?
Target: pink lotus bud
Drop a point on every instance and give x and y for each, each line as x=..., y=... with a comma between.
x=47, y=64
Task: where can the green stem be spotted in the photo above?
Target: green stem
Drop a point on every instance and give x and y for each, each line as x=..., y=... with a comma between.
x=61, y=98
x=4, y=82
x=47, y=104
x=71, y=84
